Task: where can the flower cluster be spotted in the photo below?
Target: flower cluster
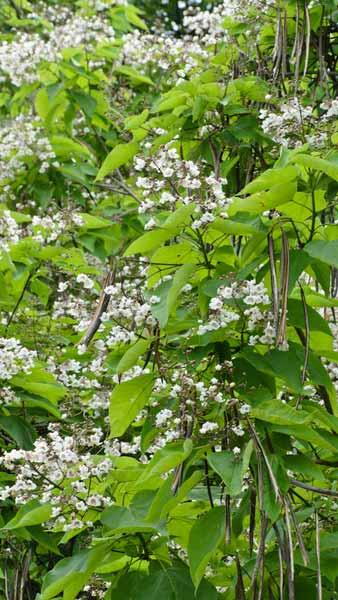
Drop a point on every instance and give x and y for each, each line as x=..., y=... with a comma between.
x=284, y=125
x=20, y=58
x=23, y=141
x=14, y=358
x=97, y=586
x=182, y=407
x=246, y=297
x=43, y=229
x=9, y=231
x=331, y=108
x=161, y=52
x=127, y=312
x=49, y=228
x=171, y=180
x=56, y=15
x=73, y=306
x=61, y=471
x=207, y=26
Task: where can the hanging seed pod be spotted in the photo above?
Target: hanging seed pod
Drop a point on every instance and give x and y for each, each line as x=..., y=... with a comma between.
x=284, y=287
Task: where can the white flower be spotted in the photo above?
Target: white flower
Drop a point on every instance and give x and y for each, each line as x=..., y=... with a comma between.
x=163, y=416
x=63, y=285
x=150, y=224
x=77, y=219
x=166, y=197
x=88, y=283
x=238, y=430
x=236, y=450
x=139, y=163
x=208, y=426
x=14, y=358
x=215, y=304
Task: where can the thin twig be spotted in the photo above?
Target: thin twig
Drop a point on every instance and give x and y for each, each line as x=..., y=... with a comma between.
x=313, y=210
x=307, y=39
x=266, y=460
x=307, y=334
x=319, y=574
x=291, y=564
x=27, y=282
x=239, y=590
x=299, y=536
x=206, y=471
x=227, y=519
x=281, y=573
x=273, y=277
x=295, y=43
x=252, y=525
x=307, y=340
x=312, y=488
x=259, y=565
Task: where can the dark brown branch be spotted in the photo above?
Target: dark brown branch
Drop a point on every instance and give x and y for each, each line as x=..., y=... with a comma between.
x=312, y=488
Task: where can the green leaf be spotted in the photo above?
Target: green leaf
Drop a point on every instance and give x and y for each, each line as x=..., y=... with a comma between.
x=32, y=513
x=275, y=411
x=318, y=164
x=164, y=582
x=64, y=146
x=171, y=100
x=152, y=239
x=85, y=101
x=168, y=292
x=132, y=14
x=120, y=519
x=119, y=156
x=230, y=468
x=200, y=106
x=92, y=222
x=136, y=77
x=148, y=241
x=242, y=224
x=136, y=120
x=297, y=319
x=327, y=252
x=48, y=541
x=32, y=401
x=262, y=201
x=164, y=459
x=270, y=178
x=126, y=401
x=287, y=366
x=70, y=574
x=133, y=353
x=299, y=261
x=41, y=383
x=166, y=500
x=181, y=278
x=300, y=463
x=21, y=431
x=304, y=432
x=202, y=546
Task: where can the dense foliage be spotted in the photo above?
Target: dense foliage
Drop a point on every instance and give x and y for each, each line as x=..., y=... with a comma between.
x=169, y=280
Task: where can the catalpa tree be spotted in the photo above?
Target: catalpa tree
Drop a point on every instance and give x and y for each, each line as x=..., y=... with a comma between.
x=169, y=280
